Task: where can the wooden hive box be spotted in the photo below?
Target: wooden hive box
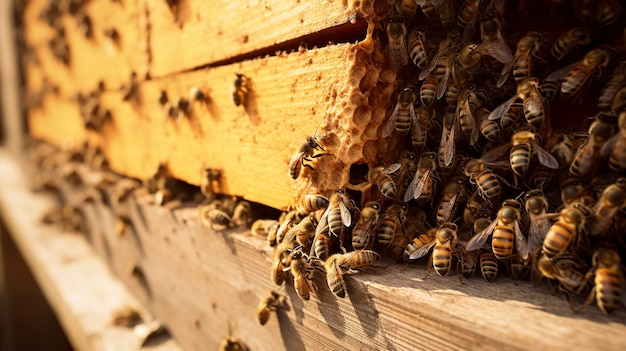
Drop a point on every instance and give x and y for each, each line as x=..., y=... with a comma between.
x=310, y=70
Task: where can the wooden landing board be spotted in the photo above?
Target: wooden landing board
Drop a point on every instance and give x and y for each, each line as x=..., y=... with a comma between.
x=77, y=284
x=251, y=144
x=204, y=32
x=201, y=281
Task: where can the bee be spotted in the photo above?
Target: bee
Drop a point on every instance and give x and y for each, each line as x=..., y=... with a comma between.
x=428, y=91
x=422, y=185
x=523, y=145
x=443, y=249
x=536, y=205
x=363, y=231
x=311, y=203
x=231, y=343
x=419, y=243
x=406, y=8
x=440, y=64
x=608, y=280
x=570, y=223
x=268, y=304
x=571, y=189
x=468, y=103
x=453, y=199
x=565, y=44
x=488, y=128
x=489, y=266
x=302, y=269
x=612, y=86
x=337, y=215
x=506, y=232
x=467, y=18
x=215, y=215
x=485, y=180
x=587, y=158
x=417, y=49
x=403, y=117
x=447, y=145
x=607, y=12
x=240, y=89
x=264, y=228
x=493, y=43
x=603, y=212
x=339, y=264
x=615, y=147
x=565, y=271
x=305, y=152
x=467, y=262
x=209, y=181
x=390, y=224
x=575, y=76
x=281, y=260
x=396, y=33
x=303, y=232
x=195, y=94
x=549, y=89
x=408, y=167
x=242, y=215
x=382, y=177
x=532, y=103
x=520, y=64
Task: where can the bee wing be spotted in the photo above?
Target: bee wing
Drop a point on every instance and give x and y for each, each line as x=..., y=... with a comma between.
x=496, y=153
x=470, y=29
x=561, y=73
x=450, y=148
x=539, y=226
x=422, y=251
x=443, y=83
x=506, y=70
x=398, y=53
x=501, y=110
x=448, y=207
x=416, y=126
x=433, y=63
x=295, y=159
x=346, y=217
x=472, y=120
x=545, y=158
x=495, y=48
x=520, y=241
x=408, y=194
x=322, y=225
x=390, y=125
x=392, y=168
x=608, y=146
x=480, y=238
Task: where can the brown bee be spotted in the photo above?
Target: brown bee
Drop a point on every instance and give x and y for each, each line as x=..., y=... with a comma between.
x=396, y=33
x=240, y=90
x=268, y=304
x=305, y=152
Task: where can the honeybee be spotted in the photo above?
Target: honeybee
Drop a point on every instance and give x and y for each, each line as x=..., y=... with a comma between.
x=417, y=49
x=215, y=215
x=506, y=231
x=565, y=271
x=342, y=263
x=305, y=152
x=493, y=43
x=612, y=200
x=485, y=180
x=268, y=304
x=302, y=269
x=467, y=104
x=281, y=260
x=575, y=76
x=520, y=64
x=577, y=36
x=523, y=144
x=453, y=199
x=615, y=147
x=571, y=189
x=608, y=280
x=406, y=8
x=422, y=185
x=441, y=63
x=488, y=128
x=311, y=203
x=536, y=205
x=396, y=33
x=264, y=228
x=321, y=245
x=240, y=89
x=587, y=157
x=418, y=243
x=428, y=91
x=390, y=224
x=337, y=215
x=467, y=17
x=467, y=261
x=303, y=232
x=570, y=223
x=447, y=145
x=363, y=231
x=532, y=103
x=489, y=266
x=443, y=249
x=403, y=117
x=612, y=86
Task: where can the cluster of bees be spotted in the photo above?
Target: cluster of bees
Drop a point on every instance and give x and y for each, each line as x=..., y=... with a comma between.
x=492, y=166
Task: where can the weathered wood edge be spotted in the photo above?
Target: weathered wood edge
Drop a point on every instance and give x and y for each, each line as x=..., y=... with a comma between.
x=78, y=285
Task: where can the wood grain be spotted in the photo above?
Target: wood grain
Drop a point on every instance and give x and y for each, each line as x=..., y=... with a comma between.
x=202, y=33
x=77, y=284
x=251, y=144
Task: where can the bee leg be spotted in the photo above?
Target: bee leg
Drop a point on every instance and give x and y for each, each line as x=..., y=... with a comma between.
x=430, y=267
x=588, y=302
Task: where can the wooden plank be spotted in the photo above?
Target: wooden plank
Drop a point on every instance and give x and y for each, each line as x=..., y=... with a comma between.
x=251, y=144
x=98, y=58
x=79, y=286
x=200, y=281
x=202, y=32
